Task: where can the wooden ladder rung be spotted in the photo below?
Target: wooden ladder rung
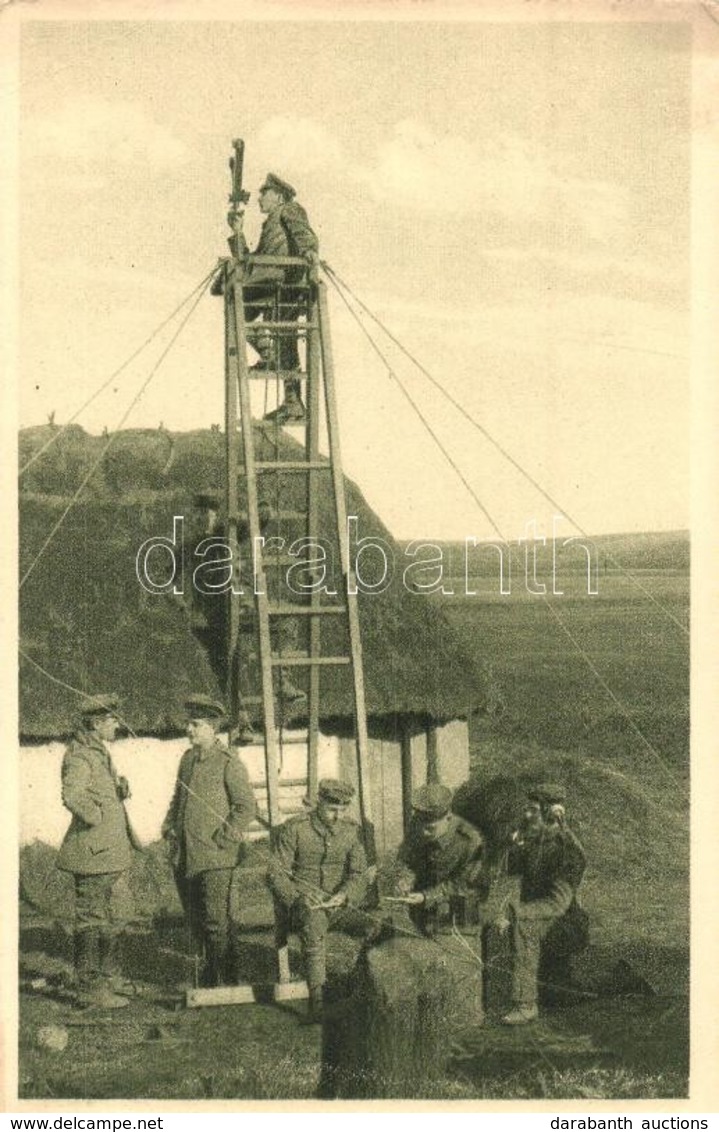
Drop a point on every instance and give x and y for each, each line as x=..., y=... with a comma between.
x=290, y=466
x=286, y=609
x=284, y=326
x=261, y=783
x=308, y=661
x=276, y=374
x=275, y=261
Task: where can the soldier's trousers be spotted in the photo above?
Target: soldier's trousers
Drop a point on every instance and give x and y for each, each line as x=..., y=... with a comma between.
x=99, y=903
x=206, y=905
x=526, y=941
x=278, y=349
x=311, y=925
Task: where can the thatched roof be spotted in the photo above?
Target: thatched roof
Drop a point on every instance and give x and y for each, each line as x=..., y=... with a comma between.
x=86, y=619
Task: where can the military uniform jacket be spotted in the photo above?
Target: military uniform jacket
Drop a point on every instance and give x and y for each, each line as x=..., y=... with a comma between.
x=212, y=807
x=550, y=868
x=444, y=869
x=311, y=858
x=286, y=231
x=100, y=838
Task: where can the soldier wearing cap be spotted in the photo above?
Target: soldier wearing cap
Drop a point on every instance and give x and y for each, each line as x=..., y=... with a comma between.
x=97, y=850
x=211, y=808
x=550, y=862
x=441, y=859
x=286, y=231
x=318, y=867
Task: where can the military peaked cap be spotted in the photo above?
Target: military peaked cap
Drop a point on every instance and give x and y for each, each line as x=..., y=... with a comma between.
x=100, y=705
x=201, y=706
x=272, y=181
x=432, y=802
x=335, y=792
x=548, y=793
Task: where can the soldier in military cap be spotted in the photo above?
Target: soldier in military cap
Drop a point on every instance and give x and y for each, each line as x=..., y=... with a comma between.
x=286, y=231
x=550, y=862
x=318, y=868
x=97, y=850
x=441, y=874
x=212, y=807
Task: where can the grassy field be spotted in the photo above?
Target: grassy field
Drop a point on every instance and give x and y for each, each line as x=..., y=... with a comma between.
x=621, y=746
x=615, y=667
x=625, y=763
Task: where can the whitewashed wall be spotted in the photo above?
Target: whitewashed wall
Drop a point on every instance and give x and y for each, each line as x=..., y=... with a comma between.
x=385, y=767
x=150, y=765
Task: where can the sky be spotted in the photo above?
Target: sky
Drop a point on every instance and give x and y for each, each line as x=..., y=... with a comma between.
x=512, y=201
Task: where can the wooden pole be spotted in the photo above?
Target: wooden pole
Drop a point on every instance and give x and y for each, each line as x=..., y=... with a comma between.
x=432, y=754
x=312, y=452
x=360, y=709
x=406, y=770
x=231, y=508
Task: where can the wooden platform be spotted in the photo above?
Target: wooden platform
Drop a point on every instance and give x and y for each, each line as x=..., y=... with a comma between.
x=244, y=993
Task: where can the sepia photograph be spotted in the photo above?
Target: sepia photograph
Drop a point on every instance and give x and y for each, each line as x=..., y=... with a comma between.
x=355, y=363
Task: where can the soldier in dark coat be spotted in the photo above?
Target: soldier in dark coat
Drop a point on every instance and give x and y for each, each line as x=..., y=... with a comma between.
x=318, y=868
x=212, y=807
x=285, y=232
x=550, y=862
x=441, y=874
x=97, y=850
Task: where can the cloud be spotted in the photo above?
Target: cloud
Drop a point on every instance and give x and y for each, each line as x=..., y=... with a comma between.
x=507, y=175
x=305, y=145
x=94, y=134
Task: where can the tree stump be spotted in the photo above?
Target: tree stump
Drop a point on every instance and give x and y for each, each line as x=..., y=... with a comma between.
x=391, y=1036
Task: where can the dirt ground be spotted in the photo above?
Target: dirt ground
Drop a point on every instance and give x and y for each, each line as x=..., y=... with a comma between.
x=614, y=1036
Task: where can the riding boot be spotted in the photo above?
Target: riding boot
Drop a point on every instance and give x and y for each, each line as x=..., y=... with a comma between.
x=291, y=700
x=109, y=955
x=86, y=957
x=292, y=409
x=315, y=1008
x=243, y=733
x=92, y=990
x=215, y=973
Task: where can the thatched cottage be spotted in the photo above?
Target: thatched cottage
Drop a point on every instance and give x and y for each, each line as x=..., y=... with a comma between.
x=89, y=624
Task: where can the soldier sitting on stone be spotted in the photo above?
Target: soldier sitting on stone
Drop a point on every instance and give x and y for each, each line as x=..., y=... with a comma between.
x=318, y=868
x=441, y=877
x=550, y=862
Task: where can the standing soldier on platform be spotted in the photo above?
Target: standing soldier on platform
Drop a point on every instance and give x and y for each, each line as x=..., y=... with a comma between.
x=318, y=867
x=550, y=862
x=97, y=850
x=285, y=232
x=441, y=876
x=212, y=807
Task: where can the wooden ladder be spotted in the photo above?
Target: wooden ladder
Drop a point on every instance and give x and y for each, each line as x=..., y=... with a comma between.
x=306, y=302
